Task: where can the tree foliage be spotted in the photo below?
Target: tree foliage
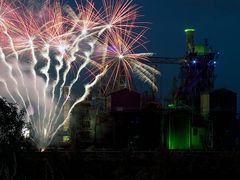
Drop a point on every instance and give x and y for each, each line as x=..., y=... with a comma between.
x=11, y=125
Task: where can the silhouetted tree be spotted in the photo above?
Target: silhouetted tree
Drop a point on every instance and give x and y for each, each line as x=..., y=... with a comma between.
x=11, y=137
x=11, y=125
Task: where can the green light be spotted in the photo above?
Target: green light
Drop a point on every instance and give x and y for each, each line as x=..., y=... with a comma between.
x=178, y=135
x=189, y=30
x=66, y=139
x=197, y=134
x=172, y=106
x=202, y=49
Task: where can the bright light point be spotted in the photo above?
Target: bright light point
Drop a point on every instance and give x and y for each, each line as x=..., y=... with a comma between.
x=30, y=41
x=84, y=31
x=62, y=48
x=189, y=30
x=91, y=44
x=47, y=45
x=26, y=132
x=45, y=132
x=109, y=26
x=42, y=150
x=120, y=56
x=87, y=54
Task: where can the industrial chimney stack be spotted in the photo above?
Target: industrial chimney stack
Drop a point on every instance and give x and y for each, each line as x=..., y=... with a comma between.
x=190, y=40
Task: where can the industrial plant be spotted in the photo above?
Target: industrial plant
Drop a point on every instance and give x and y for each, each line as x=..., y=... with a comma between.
x=196, y=117
x=81, y=97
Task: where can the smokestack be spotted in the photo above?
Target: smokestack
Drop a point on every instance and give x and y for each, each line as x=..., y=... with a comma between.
x=190, y=40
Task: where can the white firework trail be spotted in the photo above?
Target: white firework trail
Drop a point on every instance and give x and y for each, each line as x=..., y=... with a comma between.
x=69, y=61
x=10, y=70
x=34, y=62
x=5, y=31
x=79, y=37
x=74, y=81
x=8, y=91
x=74, y=49
x=58, y=67
x=145, y=75
x=44, y=71
x=87, y=88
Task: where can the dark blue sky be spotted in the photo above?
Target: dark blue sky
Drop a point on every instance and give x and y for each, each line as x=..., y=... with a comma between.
x=217, y=20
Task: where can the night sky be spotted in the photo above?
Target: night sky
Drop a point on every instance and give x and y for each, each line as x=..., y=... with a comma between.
x=217, y=20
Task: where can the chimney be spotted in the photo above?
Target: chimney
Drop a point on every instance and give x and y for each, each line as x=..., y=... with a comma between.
x=190, y=40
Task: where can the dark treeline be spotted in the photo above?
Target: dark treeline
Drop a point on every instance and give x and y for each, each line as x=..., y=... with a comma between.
x=125, y=165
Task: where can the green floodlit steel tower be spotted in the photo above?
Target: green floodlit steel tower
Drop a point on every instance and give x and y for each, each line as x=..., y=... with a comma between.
x=190, y=39
x=188, y=123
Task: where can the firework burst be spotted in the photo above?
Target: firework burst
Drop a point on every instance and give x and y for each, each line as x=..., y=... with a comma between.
x=39, y=48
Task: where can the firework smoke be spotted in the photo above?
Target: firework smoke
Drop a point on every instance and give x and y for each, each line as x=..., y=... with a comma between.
x=40, y=45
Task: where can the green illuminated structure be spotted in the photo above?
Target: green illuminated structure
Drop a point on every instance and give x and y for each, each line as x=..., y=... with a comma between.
x=197, y=137
x=178, y=136
x=189, y=30
x=172, y=105
x=188, y=123
x=190, y=40
x=181, y=135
